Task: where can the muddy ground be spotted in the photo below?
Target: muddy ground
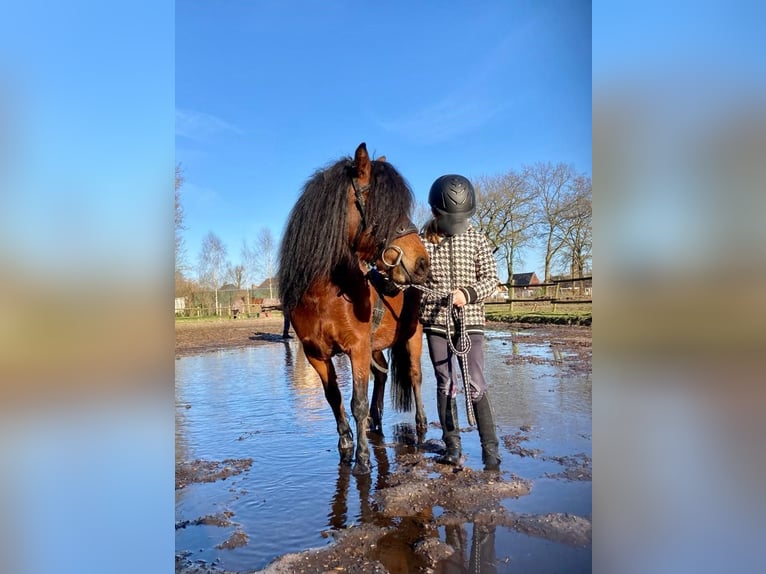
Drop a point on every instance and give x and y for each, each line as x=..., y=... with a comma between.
x=411, y=492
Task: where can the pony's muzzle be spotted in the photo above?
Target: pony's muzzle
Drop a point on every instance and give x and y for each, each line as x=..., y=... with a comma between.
x=393, y=258
x=420, y=272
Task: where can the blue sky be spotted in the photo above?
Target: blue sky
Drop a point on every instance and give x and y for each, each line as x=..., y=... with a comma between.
x=267, y=92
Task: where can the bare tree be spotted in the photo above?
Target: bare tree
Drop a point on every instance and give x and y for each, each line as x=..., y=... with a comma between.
x=505, y=214
x=266, y=250
x=259, y=258
x=552, y=187
x=179, y=252
x=212, y=264
x=576, y=227
x=249, y=258
x=236, y=274
x=421, y=213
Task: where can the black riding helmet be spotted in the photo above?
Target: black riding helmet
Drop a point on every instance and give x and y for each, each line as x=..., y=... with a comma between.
x=453, y=202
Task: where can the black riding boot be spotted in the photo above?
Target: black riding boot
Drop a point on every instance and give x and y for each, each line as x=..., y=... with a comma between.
x=447, y=407
x=485, y=420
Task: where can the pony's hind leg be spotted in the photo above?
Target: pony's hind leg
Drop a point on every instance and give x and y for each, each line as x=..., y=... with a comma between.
x=326, y=371
x=379, y=370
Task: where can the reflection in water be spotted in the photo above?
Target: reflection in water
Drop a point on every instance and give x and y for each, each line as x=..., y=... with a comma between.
x=267, y=404
x=309, y=394
x=338, y=517
x=480, y=560
x=395, y=550
x=288, y=356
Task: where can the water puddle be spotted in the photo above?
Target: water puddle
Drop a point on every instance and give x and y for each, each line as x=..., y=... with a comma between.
x=256, y=421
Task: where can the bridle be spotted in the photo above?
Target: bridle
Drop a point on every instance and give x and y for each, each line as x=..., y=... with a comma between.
x=405, y=228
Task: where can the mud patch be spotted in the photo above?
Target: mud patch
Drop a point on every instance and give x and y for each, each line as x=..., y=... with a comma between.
x=571, y=347
x=562, y=528
x=236, y=540
x=209, y=471
x=222, y=519
x=513, y=444
x=578, y=467
x=462, y=491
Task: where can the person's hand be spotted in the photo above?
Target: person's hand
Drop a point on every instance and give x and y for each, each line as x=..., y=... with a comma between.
x=458, y=298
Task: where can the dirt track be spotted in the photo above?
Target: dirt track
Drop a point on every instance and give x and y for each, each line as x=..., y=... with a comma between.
x=193, y=337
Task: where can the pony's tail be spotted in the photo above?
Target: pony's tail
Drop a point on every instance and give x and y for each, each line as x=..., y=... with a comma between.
x=400, y=369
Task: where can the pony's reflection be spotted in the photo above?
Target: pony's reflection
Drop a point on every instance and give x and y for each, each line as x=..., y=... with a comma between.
x=338, y=517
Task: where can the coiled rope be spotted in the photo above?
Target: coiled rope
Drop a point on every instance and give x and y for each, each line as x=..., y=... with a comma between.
x=463, y=344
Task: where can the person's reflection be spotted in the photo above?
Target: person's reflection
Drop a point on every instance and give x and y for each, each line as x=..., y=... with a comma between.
x=455, y=536
x=288, y=354
x=482, y=558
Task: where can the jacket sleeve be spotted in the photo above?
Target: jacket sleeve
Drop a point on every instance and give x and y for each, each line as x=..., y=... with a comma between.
x=486, y=273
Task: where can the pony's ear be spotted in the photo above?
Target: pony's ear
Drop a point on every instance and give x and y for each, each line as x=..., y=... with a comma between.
x=382, y=158
x=362, y=162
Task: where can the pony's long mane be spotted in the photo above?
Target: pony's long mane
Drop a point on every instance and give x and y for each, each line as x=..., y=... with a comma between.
x=315, y=241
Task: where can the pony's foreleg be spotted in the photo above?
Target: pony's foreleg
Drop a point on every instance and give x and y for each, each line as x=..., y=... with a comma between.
x=326, y=371
x=360, y=367
x=414, y=350
x=379, y=370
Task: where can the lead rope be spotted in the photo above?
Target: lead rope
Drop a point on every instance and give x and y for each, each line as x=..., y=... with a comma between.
x=464, y=344
x=458, y=313
x=464, y=340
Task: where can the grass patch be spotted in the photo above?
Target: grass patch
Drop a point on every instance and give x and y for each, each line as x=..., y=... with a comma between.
x=575, y=314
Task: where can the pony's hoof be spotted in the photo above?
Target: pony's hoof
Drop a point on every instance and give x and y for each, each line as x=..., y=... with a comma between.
x=362, y=467
x=345, y=449
x=346, y=457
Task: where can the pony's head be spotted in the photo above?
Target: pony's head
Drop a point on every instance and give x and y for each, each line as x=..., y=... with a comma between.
x=378, y=223
x=352, y=212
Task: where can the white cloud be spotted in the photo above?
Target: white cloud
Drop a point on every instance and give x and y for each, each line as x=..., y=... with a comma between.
x=444, y=120
x=200, y=126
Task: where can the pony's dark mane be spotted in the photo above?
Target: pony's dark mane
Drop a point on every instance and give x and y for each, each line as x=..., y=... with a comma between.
x=390, y=201
x=315, y=240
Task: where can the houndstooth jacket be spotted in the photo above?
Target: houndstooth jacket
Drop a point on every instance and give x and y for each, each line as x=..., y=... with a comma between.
x=462, y=262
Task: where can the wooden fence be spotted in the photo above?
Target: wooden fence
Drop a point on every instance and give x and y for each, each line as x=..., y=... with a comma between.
x=230, y=303
x=560, y=296
x=256, y=302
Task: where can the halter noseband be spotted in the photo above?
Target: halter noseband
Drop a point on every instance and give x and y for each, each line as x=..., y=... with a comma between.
x=400, y=232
